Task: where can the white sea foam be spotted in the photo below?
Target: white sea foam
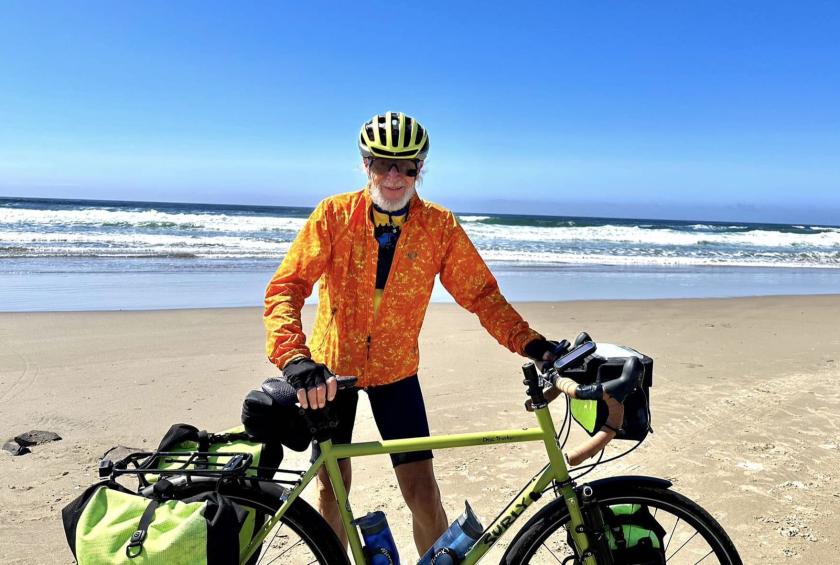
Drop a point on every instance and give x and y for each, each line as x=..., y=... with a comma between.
x=546, y=258
x=711, y=227
x=88, y=232
x=121, y=244
x=100, y=217
x=640, y=236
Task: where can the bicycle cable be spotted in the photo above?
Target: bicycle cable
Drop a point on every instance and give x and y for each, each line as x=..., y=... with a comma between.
x=567, y=423
x=591, y=466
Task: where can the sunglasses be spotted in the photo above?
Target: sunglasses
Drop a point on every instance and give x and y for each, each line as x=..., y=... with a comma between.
x=405, y=167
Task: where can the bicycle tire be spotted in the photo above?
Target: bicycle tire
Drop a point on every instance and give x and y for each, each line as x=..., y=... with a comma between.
x=301, y=520
x=532, y=544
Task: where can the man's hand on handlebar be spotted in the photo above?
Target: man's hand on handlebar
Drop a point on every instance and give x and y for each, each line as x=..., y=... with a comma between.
x=543, y=351
x=314, y=382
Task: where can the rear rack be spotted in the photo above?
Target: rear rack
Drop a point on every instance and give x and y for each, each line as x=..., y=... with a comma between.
x=192, y=465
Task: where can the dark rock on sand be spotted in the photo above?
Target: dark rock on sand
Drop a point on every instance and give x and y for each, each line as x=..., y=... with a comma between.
x=15, y=448
x=36, y=437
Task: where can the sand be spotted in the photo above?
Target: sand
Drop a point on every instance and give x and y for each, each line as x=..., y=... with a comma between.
x=745, y=409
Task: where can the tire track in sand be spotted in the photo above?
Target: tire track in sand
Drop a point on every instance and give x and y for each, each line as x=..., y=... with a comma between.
x=27, y=377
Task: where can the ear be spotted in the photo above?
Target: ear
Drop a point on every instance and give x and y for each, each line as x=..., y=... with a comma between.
x=420, y=165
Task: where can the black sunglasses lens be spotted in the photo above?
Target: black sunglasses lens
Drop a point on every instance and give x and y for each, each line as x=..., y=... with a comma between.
x=383, y=166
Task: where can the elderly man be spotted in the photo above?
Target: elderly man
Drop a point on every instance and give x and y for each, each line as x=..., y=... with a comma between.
x=376, y=253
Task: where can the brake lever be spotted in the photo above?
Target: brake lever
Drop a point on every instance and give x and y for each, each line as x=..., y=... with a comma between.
x=550, y=392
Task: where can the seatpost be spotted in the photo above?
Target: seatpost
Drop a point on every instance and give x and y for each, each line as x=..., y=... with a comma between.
x=532, y=380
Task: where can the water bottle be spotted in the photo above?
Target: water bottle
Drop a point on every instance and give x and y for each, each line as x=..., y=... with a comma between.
x=455, y=542
x=380, y=548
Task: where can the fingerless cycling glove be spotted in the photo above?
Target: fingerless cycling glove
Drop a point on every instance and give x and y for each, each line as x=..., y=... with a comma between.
x=305, y=373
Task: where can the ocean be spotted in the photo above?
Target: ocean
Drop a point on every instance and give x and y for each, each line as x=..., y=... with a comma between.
x=103, y=255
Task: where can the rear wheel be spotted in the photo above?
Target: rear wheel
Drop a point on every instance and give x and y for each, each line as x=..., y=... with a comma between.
x=302, y=537
x=691, y=534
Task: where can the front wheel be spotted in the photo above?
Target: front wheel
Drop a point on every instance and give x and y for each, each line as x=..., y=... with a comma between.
x=691, y=534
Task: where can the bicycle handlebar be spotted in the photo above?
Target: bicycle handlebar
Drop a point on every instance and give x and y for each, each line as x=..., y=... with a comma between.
x=613, y=393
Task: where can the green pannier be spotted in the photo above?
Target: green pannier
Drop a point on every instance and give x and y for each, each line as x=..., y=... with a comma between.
x=187, y=439
x=634, y=535
x=110, y=525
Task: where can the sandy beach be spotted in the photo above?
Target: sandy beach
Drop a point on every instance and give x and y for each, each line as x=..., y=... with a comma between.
x=745, y=409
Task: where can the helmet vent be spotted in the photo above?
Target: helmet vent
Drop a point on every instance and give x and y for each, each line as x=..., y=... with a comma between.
x=395, y=132
x=407, y=131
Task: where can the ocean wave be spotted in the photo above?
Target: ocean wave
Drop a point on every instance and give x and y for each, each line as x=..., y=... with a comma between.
x=102, y=231
x=636, y=235
x=138, y=253
x=147, y=219
x=122, y=253
x=824, y=261
x=126, y=244
x=717, y=228
x=90, y=245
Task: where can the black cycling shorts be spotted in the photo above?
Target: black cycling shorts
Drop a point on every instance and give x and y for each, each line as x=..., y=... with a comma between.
x=399, y=412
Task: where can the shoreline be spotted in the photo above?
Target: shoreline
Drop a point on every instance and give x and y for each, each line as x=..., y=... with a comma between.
x=115, y=291
x=311, y=305
x=744, y=407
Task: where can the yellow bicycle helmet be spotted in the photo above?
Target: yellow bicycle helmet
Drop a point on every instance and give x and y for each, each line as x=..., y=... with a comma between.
x=393, y=135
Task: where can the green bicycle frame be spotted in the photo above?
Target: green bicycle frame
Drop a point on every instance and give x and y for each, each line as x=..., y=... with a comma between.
x=556, y=471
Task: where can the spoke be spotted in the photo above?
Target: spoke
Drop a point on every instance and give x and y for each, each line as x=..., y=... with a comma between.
x=683, y=545
x=285, y=551
x=267, y=543
x=551, y=553
x=672, y=515
x=671, y=536
x=705, y=556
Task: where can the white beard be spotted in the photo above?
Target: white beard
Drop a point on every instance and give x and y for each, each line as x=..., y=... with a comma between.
x=390, y=205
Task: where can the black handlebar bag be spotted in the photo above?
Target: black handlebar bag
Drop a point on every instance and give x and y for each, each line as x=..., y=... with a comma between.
x=272, y=414
x=606, y=364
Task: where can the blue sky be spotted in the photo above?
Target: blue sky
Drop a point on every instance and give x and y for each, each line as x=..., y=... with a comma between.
x=697, y=110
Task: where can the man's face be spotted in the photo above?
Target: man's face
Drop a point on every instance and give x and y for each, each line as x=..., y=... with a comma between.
x=391, y=188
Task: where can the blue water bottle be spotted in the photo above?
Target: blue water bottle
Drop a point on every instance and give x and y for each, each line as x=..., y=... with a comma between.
x=380, y=548
x=453, y=545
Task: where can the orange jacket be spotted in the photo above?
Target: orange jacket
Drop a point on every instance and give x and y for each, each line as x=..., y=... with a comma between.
x=336, y=246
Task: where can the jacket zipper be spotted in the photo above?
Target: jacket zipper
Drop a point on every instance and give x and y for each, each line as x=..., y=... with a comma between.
x=369, y=248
